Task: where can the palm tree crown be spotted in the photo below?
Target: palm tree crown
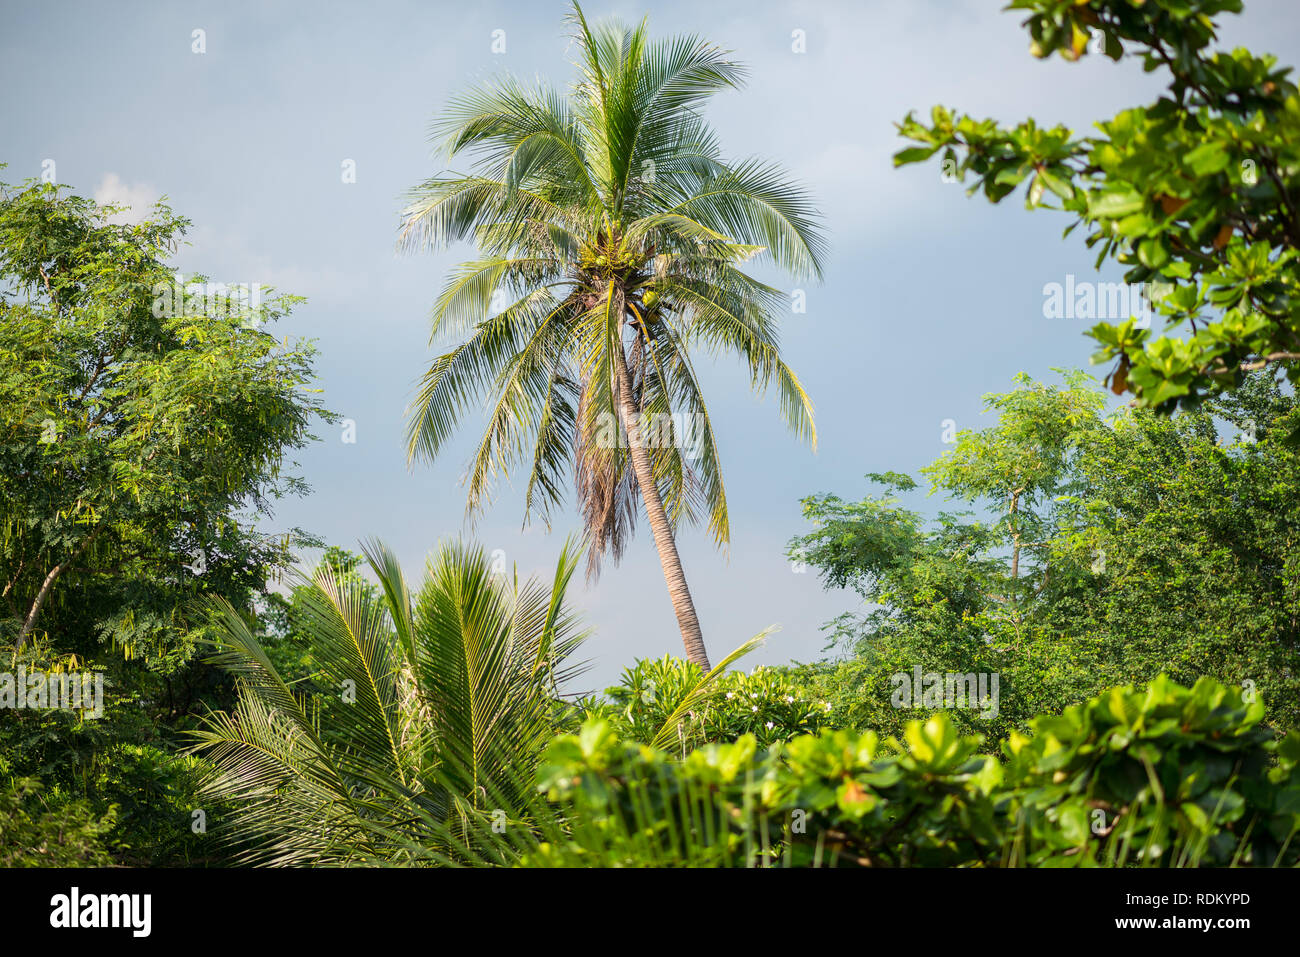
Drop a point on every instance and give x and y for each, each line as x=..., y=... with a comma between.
x=616, y=231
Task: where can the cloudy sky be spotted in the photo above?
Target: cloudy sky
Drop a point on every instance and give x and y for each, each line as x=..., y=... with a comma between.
x=930, y=299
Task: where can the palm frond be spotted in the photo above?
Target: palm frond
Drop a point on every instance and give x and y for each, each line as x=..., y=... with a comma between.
x=425, y=705
x=667, y=734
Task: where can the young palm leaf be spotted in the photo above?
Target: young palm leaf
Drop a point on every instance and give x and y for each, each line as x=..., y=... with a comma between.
x=430, y=704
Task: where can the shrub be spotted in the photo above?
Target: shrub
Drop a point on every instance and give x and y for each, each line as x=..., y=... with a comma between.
x=42, y=832
x=1165, y=776
x=765, y=703
x=154, y=793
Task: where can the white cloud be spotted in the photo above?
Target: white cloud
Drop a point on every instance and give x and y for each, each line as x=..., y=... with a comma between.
x=140, y=198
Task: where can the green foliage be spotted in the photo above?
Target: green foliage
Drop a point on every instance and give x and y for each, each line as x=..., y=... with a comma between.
x=139, y=433
x=627, y=805
x=1105, y=552
x=1181, y=555
x=764, y=703
x=120, y=767
x=155, y=793
x=39, y=833
x=1166, y=776
x=57, y=746
x=424, y=707
x=1195, y=192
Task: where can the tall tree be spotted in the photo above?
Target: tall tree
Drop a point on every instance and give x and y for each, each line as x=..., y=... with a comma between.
x=145, y=424
x=618, y=230
x=1138, y=544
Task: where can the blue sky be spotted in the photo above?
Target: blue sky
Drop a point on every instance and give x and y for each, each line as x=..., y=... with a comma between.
x=930, y=299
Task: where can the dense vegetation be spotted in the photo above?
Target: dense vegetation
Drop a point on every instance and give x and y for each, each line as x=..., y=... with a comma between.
x=146, y=428
x=1095, y=550
x=1087, y=655
x=1154, y=777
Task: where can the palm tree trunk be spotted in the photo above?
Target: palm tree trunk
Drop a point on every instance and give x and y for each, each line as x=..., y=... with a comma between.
x=683, y=605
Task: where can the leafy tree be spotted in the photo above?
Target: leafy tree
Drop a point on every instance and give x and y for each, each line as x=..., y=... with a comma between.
x=1153, y=545
x=1196, y=193
x=1025, y=460
x=933, y=597
x=143, y=432
x=616, y=232
x=957, y=594
x=1183, y=553
x=144, y=429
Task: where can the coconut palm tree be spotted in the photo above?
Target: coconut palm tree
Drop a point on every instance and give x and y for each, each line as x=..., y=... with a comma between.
x=612, y=233
x=426, y=709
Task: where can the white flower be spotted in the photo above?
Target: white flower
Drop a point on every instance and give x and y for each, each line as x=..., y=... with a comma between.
x=754, y=708
x=789, y=698
x=731, y=694
x=769, y=725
